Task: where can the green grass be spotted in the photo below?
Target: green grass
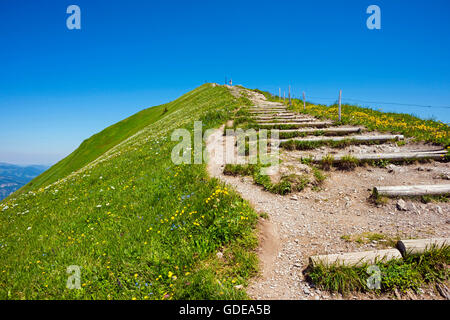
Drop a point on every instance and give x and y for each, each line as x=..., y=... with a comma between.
x=292, y=134
x=310, y=145
x=319, y=176
x=348, y=162
x=287, y=184
x=429, y=130
x=409, y=273
x=327, y=162
x=138, y=225
x=239, y=169
x=383, y=240
x=423, y=130
x=101, y=142
x=378, y=199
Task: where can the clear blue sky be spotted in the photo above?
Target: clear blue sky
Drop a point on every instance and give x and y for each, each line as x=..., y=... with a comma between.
x=60, y=86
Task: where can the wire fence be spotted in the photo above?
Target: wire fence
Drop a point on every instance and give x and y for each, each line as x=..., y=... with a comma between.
x=384, y=102
x=349, y=101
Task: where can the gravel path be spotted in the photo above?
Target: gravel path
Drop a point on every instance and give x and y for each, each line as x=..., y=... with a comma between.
x=313, y=222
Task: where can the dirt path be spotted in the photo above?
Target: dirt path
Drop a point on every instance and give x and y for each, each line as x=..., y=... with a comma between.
x=313, y=222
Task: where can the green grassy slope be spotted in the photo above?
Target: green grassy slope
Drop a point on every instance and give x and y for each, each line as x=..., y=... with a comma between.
x=139, y=226
x=99, y=143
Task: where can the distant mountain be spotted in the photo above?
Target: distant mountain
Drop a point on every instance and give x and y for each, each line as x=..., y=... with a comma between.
x=13, y=177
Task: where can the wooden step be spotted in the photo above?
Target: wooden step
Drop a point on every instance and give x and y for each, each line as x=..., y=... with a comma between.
x=355, y=138
x=296, y=120
x=356, y=258
x=413, y=190
x=325, y=131
x=272, y=112
x=289, y=116
x=419, y=246
x=316, y=124
x=267, y=110
x=398, y=156
x=272, y=115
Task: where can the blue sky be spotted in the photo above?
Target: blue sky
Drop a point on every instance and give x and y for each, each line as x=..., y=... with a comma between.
x=60, y=86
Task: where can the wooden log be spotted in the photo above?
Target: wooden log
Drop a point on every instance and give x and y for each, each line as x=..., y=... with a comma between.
x=411, y=191
x=355, y=138
x=266, y=113
x=325, y=130
x=356, y=258
x=282, y=116
x=318, y=124
x=278, y=119
x=400, y=156
x=267, y=109
x=262, y=112
x=275, y=120
x=414, y=246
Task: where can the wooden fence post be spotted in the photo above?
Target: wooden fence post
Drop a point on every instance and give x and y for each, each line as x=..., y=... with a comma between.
x=304, y=101
x=340, y=97
x=289, y=95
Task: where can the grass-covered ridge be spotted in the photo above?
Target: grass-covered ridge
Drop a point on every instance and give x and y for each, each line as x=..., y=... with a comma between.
x=139, y=226
x=101, y=142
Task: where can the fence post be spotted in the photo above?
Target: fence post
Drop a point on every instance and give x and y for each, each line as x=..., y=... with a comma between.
x=304, y=101
x=340, y=97
x=289, y=95
x=279, y=94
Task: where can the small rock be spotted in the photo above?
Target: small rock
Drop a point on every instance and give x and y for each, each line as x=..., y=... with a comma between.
x=239, y=286
x=401, y=205
x=219, y=255
x=294, y=197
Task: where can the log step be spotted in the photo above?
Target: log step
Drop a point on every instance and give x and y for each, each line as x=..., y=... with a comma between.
x=356, y=258
x=418, y=246
x=266, y=110
x=326, y=131
x=280, y=121
x=398, y=156
x=272, y=112
x=355, y=138
x=411, y=191
x=277, y=116
x=318, y=124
